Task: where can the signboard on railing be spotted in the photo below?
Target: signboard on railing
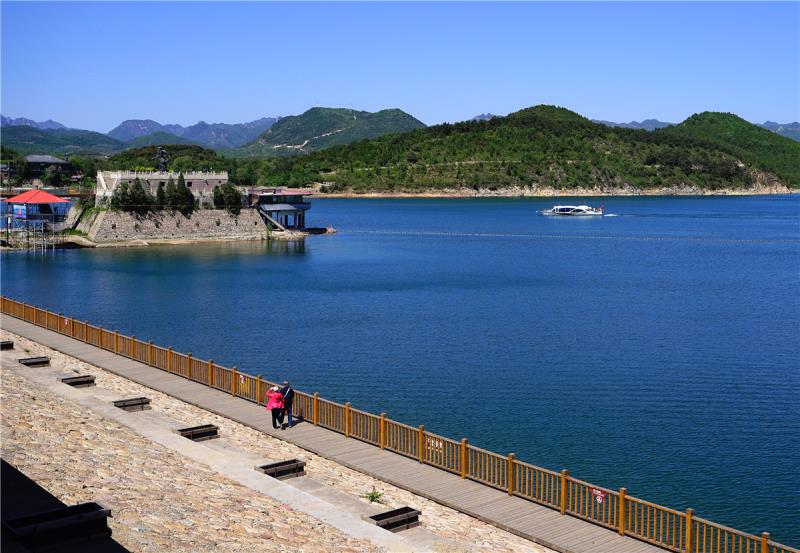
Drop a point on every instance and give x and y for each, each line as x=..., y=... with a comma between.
x=599, y=495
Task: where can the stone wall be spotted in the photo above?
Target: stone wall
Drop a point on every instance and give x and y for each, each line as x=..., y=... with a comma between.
x=201, y=184
x=117, y=226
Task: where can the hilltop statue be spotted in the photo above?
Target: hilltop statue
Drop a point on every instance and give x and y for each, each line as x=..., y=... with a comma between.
x=161, y=158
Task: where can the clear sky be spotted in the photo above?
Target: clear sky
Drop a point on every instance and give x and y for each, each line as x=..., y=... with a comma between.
x=92, y=65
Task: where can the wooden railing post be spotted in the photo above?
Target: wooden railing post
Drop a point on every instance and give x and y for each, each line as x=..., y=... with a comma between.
x=689, y=533
x=510, y=477
x=464, y=468
x=421, y=443
x=383, y=431
x=564, y=483
x=132, y=343
x=764, y=542
x=233, y=381
x=210, y=373
x=46, y=316
x=86, y=331
x=259, y=387
x=150, y=352
x=623, y=492
x=347, y=420
x=169, y=360
x=315, y=410
x=189, y=366
x=116, y=341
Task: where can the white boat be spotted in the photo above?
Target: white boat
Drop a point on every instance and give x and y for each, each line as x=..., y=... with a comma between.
x=573, y=210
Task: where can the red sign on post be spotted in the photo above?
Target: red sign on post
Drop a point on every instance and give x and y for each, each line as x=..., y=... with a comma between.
x=599, y=495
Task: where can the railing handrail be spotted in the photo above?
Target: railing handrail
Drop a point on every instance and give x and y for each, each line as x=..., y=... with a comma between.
x=538, y=468
x=400, y=424
x=505, y=477
x=655, y=505
x=360, y=412
x=486, y=451
x=723, y=527
x=596, y=487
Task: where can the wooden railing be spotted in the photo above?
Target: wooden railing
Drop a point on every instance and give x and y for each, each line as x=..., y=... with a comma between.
x=667, y=528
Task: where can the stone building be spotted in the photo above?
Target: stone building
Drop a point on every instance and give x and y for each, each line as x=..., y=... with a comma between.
x=200, y=183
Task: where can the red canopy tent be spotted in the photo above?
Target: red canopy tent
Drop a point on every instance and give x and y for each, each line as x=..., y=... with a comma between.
x=36, y=197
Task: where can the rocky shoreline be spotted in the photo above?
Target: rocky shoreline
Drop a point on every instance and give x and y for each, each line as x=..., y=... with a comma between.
x=545, y=192
x=158, y=506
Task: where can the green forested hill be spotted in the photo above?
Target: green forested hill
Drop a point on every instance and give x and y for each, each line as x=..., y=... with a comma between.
x=542, y=146
x=182, y=157
x=155, y=139
x=750, y=143
x=545, y=146
x=28, y=140
x=320, y=128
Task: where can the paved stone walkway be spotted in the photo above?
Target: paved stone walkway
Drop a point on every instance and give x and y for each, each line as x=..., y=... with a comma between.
x=518, y=516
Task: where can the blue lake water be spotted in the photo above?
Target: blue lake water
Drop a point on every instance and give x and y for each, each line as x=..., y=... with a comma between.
x=656, y=349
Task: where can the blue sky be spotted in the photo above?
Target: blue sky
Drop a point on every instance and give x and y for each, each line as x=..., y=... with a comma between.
x=92, y=65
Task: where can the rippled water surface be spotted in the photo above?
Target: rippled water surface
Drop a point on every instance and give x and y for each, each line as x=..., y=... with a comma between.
x=656, y=349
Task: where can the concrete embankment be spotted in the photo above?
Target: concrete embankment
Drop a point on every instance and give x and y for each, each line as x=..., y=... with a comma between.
x=117, y=228
x=170, y=494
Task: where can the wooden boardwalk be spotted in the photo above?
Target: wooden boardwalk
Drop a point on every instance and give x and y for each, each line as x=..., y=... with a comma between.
x=518, y=516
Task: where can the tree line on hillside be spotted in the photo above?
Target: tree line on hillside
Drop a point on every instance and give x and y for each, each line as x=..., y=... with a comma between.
x=175, y=196
x=544, y=146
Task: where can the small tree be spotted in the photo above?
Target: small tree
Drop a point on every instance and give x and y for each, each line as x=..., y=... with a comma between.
x=140, y=200
x=171, y=195
x=219, y=198
x=185, y=198
x=52, y=176
x=232, y=198
x=120, y=199
x=21, y=168
x=161, y=198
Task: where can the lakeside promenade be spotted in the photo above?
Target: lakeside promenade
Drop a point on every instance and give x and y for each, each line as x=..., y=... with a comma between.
x=518, y=516
x=109, y=465
x=525, y=518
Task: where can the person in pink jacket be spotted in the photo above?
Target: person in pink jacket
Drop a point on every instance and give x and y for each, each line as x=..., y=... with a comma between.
x=275, y=405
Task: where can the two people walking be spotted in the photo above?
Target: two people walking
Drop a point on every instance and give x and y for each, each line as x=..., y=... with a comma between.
x=279, y=403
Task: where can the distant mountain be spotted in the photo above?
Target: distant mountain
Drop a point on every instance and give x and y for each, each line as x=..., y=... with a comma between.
x=320, y=128
x=750, y=143
x=647, y=124
x=483, y=117
x=158, y=138
x=554, y=148
x=224, y=135
x=29, y=140
x=24, y=122
x=134, y=128
x=789, y=130
x=211, y=135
